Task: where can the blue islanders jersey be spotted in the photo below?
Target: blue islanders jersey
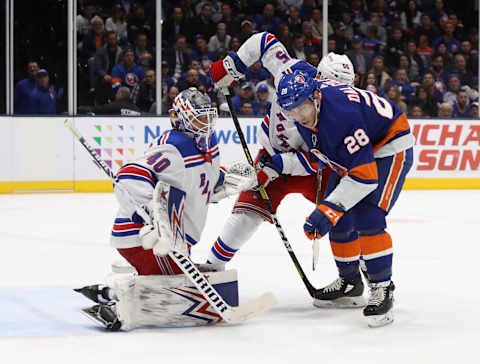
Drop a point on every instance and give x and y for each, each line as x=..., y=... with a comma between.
x=172, y=158
x=355, y=127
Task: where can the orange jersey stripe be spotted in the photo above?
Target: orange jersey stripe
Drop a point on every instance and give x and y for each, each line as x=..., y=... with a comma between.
x=345, y=250
x=375, y=244
x=365, y=171
x=392, y=180
x=399, y=125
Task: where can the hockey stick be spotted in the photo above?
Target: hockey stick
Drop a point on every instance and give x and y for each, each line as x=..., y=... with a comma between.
x=232, y=315
x=311, y=289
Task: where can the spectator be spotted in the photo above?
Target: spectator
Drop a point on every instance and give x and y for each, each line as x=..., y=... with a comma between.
x=262, y=100
x=375, y=22
x=461, y=109
x=361, y=60
x=120, y=106
x=202, y=54
x=267, y=22
x=95, y=38
x=371, y=84
x=358, y=11
x=143, y=53
x=167, y=81
x=453, y=45
x=429, y=84
x=246, y=30
x=192, y=79
x=178, y=57
x=424, y=50
x=235, y=44
x=378, y=69
x=117, y=23
x=393, y=93
x=298, y=49
x=202, y=75
x=175, y=25
x=425, y=101
x=167, y=100
x=317, y=24
x=246, y=109
x=306, y=9
x=416, y=111
x=228, y=20
x=401, y=80
x=245, y=94
x=445, y=110
x=138, y=23
x=428, y=29
x=410, y=17
x=454, y=85
x=203, y=23
x=271, y=87
x=439, y=72
x=312, y=44
x=216, y=9
x=283, y=35
x=257, y=73
x=466, y=77
x=313, y=59
x=416, y=63
x=341, y=43
x=104, y=61
x=24, y=89
x=293, y=21
x=220, y=40
x=395, y=47
x=371, y=43
x=350, y=26
x=438, y=13
x=474, y=110
x=465, y=50
x=43, y=97
x=127, y=73
x=144, y=94
x=331, y=45
x=84, y=24
x=357, y=80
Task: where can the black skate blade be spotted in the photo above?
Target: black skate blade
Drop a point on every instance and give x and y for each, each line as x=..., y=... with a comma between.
x=93, y=314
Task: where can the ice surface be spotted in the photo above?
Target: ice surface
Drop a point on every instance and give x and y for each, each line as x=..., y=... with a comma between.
x=53, y=242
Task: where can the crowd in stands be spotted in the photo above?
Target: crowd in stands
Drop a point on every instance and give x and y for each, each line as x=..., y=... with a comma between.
x=423, y=54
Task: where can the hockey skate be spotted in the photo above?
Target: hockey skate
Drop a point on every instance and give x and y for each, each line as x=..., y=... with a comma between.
x=380, y=303
x=97, y=293
x=341, y=293
x=104, y=315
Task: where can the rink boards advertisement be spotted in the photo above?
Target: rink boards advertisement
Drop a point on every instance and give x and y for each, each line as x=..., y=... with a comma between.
x=40, y=154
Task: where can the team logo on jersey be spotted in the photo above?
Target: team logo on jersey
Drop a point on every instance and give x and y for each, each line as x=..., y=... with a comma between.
x=131, y=79
x=299, y=78
x=314, y=139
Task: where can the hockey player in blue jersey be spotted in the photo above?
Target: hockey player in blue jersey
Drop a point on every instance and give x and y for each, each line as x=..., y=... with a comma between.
x=367, y=141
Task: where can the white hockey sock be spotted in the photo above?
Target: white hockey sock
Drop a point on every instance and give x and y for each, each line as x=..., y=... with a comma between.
x=237, y=230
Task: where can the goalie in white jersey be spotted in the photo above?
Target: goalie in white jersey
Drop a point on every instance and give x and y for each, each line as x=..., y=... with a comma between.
x=180, y=172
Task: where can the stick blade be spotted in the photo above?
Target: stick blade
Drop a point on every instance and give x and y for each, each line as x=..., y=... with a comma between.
x=253, y=308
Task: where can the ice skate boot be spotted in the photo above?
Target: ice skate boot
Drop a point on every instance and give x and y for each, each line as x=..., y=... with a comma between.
x=97, y=293
x=341, y=293
x=380, y=303
x=104, y=315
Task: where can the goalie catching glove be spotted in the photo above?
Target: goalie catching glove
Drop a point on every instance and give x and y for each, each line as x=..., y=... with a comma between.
x=228, y=71
x=322, y=220
x=235, y=178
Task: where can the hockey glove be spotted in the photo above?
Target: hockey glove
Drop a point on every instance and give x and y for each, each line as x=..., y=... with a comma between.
x=225, y=73
x=269, y=171
x=322, y=220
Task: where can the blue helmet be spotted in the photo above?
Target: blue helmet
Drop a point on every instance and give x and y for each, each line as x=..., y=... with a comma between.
x=294, y=88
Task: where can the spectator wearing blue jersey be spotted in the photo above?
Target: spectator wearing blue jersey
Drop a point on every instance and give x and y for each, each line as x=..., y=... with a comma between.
x=245, y=94
x=202, y=54
x=267, y=22
x=24, y=88
x=453, y=45
x=127, y=73
x=263, y=95
x=257, y=73
x=43, y=96
x=461, y=109
x=372, y=43
x=401, y=81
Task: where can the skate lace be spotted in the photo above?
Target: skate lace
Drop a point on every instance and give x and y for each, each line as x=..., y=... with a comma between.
x=334, y=286
x=377, y=295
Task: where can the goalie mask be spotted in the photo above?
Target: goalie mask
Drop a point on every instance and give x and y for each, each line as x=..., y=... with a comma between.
x=192, y=112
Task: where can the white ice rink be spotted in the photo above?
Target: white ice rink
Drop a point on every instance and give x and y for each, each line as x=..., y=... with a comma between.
x=51, y=243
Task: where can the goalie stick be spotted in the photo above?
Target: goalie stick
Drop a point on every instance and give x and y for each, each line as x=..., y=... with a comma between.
x=232, y=315
x=311, y=289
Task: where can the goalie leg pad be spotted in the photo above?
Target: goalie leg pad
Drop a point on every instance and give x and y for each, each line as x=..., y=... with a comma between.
x=169, y=301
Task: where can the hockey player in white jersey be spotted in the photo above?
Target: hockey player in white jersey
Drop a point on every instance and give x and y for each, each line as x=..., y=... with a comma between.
x=181, y=170
x=286, y=167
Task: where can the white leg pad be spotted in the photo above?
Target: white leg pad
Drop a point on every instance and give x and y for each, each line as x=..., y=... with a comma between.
x=168, y=301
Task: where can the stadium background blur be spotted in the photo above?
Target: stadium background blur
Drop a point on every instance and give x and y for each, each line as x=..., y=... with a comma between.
x=421, y=54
